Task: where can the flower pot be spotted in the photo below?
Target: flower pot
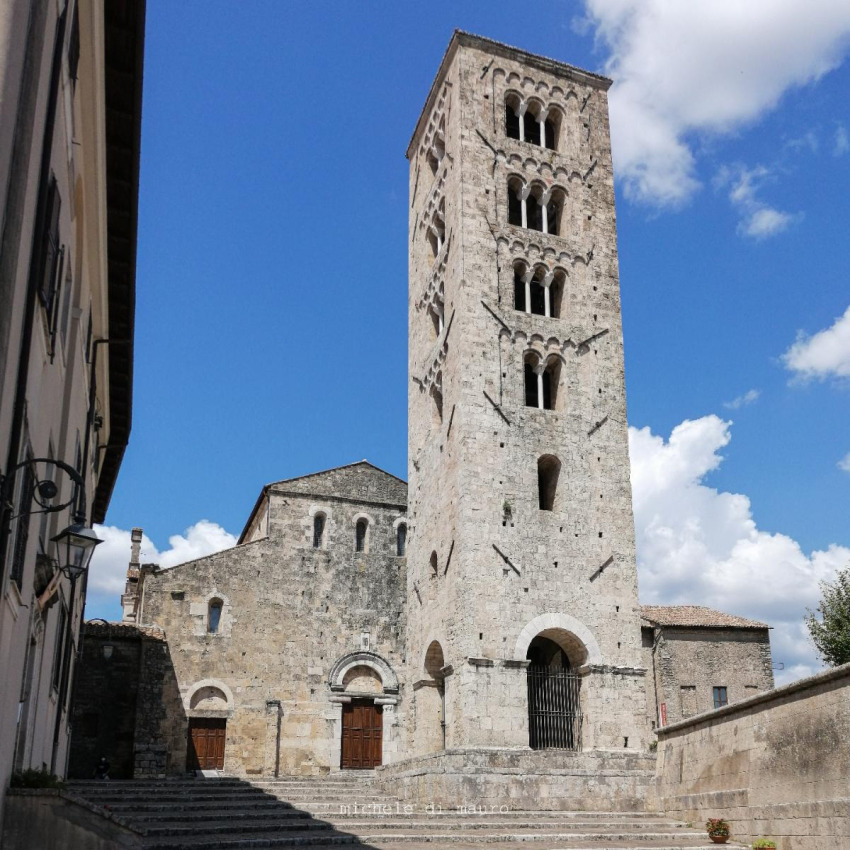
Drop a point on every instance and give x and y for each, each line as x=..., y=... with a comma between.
x=719, y=839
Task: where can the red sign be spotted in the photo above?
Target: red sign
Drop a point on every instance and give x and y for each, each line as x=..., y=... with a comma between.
x=663, y=713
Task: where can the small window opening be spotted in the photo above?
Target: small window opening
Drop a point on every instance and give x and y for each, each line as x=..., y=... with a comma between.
x=511, y=122
x=534, y=213
x=433, y=562
x=401, y=541
x=720, y=697
x=531, y=389
x=515, y=204
x=360, y=535
x=538, y=297
x=551, y=134
x=553, y=217
x=318, y=531
x=519, y=290
x=548, y=470
x=214, y=616
x=531, y=126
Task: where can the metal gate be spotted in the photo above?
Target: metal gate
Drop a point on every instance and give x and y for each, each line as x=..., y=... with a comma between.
x=554, y=709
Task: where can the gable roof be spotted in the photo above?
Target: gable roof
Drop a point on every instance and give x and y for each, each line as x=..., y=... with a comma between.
x=695, y=616
x=355, y=482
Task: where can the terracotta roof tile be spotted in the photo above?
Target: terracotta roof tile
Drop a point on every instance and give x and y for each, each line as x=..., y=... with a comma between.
x=695, y=615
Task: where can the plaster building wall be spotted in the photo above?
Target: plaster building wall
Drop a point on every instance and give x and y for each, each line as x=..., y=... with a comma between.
x=690, y=651
x=568, y=572
x=67, y=278
x=775, y=765
x=309, y=627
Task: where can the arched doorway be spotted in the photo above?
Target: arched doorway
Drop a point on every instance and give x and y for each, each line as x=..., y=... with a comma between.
x=554, y=693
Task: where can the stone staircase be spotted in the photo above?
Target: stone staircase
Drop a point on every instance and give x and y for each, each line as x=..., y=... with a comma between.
x=232, y=814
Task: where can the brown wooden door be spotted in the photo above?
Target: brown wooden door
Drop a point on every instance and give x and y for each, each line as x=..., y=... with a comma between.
x=362, y=735
x=206, y=743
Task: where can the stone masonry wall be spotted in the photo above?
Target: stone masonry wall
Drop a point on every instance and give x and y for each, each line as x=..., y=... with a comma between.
x=773, y=765
x=473, y=474
x=290, y=613
x=687, y=663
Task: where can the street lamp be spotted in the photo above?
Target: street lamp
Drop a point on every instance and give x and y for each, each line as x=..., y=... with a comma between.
x=76, y=546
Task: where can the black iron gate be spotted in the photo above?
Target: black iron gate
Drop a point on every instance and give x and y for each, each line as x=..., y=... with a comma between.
x=554, y=709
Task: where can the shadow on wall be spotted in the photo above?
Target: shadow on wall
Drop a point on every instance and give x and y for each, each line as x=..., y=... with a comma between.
x=127, y=705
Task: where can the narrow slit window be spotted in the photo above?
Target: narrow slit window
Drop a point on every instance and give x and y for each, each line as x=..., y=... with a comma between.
x=401, y=541
x=214, y=616
x=360, y=535
x=318, y=531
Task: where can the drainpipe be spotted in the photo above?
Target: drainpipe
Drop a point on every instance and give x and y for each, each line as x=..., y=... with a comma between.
x=275, y=703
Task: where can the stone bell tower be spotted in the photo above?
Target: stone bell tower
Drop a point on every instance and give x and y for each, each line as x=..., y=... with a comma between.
x=521, y=556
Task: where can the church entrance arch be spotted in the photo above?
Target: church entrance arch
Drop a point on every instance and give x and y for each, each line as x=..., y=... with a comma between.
x=366, y=687
x=554, y=698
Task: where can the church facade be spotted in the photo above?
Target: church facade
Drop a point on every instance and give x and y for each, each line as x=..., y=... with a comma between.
x=487, y=614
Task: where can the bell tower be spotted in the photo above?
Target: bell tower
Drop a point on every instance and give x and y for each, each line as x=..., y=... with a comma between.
x=521, y=558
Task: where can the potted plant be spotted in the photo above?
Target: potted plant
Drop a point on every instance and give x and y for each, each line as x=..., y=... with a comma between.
x=764, y=844
x=718, y=830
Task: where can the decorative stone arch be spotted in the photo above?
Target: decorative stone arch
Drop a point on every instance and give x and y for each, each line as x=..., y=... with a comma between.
x=399, y=522
x=554, y=626
x=310, y=529
x=389, y=680
x=196, y=690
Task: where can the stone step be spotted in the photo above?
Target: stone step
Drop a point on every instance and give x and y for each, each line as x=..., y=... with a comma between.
x=145, y=806
x=512, y=824
x=493, y=836
x=268, y=840
x=239, y=826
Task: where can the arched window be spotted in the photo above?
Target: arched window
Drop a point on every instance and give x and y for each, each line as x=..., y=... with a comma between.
x=360, y=532
x=434, y=568
x=548, y=470
x=519, y=288
x=533, y=212
x=401, y=541
x=437, y=312
x=538, y=295
x=213, y=616
x=319, y=531
x=531, y=127
x=551, y=384
x=532, y=389
x=554, y=211
x=550, y=128
x=512, y=117
x=515, y=202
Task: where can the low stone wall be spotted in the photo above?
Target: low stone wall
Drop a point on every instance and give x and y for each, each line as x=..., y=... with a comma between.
x=49, y=819
x=775, y=765
x=556, y=780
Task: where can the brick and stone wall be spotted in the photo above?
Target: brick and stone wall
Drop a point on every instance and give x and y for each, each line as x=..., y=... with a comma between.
x=774, y=765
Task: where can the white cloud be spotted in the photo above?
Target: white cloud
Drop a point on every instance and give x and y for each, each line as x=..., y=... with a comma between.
x=841, y=143
x=824, y=355
x=743, y=400
x=109, y=563
x=701, y=546
x=844, y=463
x=757, y=219
x=682, y=70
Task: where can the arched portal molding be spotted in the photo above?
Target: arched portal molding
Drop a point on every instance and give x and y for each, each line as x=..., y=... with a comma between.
x=389, y=680
x=550, y=624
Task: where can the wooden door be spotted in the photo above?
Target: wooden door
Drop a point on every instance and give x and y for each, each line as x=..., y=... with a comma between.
x=206, y=743
x=362, y=735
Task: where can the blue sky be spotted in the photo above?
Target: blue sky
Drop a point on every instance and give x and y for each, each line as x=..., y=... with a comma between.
x=272, y=272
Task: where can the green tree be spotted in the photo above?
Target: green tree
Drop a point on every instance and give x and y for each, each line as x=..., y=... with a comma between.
x=831, y=633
